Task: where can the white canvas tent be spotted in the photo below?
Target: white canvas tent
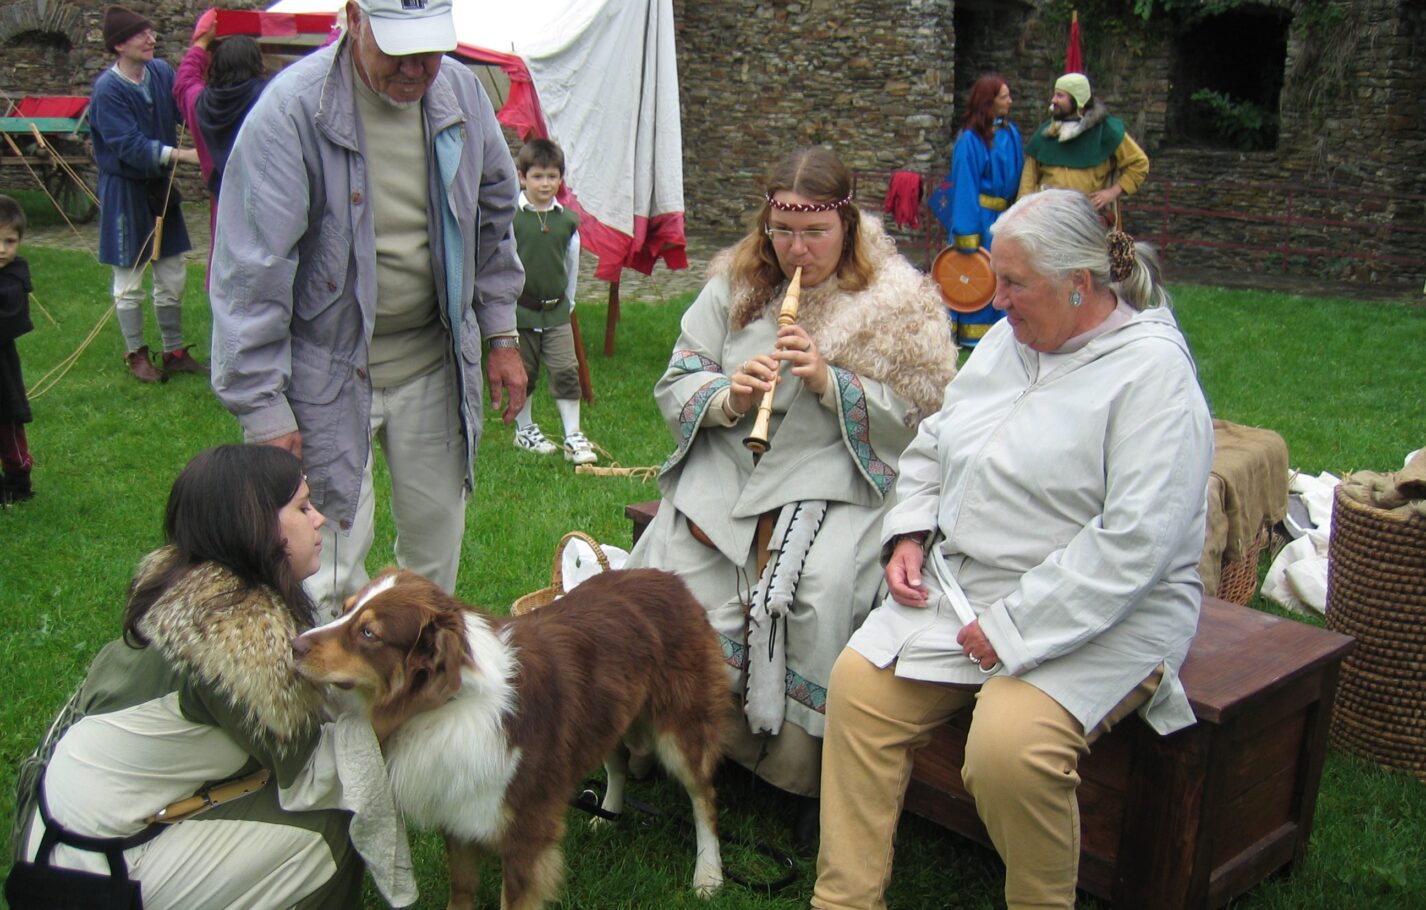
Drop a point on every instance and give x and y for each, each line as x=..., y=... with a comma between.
x=605, y=87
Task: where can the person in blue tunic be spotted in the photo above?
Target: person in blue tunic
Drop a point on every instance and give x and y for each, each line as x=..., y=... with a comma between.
x=134, y=127
x=985, y=174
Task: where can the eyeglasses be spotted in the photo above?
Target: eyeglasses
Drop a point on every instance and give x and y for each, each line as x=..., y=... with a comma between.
x=786, y=235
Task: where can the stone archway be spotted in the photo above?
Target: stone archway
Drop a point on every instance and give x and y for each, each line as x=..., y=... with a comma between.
x=45, y=17
x=45, y=46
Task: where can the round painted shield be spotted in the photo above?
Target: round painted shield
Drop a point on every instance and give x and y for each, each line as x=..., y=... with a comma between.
x=966, y=281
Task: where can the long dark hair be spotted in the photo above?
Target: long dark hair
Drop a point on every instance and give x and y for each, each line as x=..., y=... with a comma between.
x=236, y=59
x=980, y=107
x=821, y=176
x=223, y=509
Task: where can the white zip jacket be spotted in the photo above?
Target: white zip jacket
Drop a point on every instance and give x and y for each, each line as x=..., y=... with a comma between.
x=1070, y=497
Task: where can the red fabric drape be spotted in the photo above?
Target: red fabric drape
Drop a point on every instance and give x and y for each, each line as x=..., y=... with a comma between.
x=264, y=24
x=903, y=198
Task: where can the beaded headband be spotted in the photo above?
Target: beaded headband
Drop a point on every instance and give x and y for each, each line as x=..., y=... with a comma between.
x=1121, y=254
x=807, y=206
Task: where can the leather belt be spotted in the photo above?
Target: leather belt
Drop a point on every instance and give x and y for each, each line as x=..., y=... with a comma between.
x=209, y=797
x=761, y=538
x=538, y=304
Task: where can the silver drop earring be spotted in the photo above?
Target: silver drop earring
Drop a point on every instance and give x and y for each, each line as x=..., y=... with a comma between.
x=1076, y=298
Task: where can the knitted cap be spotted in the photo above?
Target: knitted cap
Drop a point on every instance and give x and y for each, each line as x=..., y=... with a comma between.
x=121, y=24
x=1076, y=85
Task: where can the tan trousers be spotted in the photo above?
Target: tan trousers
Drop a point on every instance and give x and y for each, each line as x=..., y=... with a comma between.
x=418, y=425
x=1022, y=755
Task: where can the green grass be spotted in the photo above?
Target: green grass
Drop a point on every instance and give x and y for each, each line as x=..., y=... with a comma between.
x=1340, y=380
x=39, y=211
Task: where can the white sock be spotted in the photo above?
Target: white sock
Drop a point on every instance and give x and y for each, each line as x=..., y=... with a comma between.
x=569, y=414
x=523, y=419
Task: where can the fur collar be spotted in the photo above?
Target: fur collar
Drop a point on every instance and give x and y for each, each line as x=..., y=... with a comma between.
x=1066, y=130
x=237, y=641
x=895, y=331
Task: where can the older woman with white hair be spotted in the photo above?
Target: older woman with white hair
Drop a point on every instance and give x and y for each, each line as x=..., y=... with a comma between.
x=1041, y=561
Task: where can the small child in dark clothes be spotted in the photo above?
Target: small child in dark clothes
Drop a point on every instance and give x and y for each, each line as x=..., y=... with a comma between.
x=15, y=290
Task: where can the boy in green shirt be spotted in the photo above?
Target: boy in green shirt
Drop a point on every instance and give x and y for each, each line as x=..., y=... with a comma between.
x=547, y=238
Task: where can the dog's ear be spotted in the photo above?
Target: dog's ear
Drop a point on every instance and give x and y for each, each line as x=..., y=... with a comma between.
x=349, y=603
x=435, y=662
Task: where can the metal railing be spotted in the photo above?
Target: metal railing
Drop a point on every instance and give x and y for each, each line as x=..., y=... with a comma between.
x=1293, y=221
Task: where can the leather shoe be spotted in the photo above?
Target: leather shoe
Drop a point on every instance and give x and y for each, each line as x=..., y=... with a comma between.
x=142, y=367
x=15, y=488
x=180, y=361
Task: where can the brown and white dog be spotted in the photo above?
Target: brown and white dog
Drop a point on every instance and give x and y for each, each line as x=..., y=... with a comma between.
x=624, y=665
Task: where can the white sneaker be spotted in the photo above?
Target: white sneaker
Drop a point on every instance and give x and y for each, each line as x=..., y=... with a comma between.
x=532, y=440
x=578, y=450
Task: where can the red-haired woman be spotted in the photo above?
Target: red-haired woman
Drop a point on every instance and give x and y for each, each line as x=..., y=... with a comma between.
x=985, y=175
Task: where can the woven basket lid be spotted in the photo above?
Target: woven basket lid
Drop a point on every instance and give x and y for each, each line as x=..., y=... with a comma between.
x=966, y=281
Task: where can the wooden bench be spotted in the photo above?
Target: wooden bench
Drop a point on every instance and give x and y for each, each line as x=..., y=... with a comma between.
x=1193, y=819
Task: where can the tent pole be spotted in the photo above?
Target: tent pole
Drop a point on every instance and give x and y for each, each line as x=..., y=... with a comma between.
x=612, y=320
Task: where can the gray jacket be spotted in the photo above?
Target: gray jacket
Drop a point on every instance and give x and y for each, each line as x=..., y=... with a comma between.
x=293, y=278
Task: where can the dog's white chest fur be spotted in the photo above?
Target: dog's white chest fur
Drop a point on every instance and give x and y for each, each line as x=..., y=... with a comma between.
x=450, y=767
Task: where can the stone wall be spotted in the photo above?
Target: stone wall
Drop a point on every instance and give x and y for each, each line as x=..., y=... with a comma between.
x=868, y=79
x=882, y=83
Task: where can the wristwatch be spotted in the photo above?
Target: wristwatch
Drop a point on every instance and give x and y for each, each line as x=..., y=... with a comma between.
x=918, y=536
x=505, y=341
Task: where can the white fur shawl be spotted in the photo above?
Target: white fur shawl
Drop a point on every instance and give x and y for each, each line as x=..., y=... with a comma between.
x=237, y=641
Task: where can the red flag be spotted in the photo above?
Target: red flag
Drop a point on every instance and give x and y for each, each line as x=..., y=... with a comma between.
x=1074, y=57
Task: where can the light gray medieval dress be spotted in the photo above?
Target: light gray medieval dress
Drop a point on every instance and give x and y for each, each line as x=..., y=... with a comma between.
x=890, y=353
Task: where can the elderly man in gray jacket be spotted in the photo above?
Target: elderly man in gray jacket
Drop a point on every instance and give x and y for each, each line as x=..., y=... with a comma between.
x=362, y=255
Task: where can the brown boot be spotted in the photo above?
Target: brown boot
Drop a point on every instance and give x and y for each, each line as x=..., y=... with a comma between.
x=180, y=361
x=142, y=367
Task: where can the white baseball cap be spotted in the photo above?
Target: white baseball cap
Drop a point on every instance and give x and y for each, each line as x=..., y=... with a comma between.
x=410, y=26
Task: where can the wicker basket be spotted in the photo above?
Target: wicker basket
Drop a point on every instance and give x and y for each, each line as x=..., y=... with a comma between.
x=536, y=599
x=1376, y=592
x=1238, y=580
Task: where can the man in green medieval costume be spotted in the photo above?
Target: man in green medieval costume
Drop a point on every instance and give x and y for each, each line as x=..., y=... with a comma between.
x=1082, y=147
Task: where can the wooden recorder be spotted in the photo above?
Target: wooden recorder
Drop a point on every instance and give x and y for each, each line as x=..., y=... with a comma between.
x=757, y=441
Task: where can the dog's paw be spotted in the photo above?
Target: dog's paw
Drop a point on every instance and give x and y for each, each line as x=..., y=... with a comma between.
x=706, y=884
x=598, y=823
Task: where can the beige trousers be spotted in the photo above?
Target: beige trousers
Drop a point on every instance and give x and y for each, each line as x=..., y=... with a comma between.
x=1022, y=755
x=418, y=426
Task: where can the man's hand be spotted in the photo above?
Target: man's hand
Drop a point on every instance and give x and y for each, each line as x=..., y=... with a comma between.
x=1105, y=197
x=903, y=573
x=187, y=156
x=505, y=375
x=292, y=442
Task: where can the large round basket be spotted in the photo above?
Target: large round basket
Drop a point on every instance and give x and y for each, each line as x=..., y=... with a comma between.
x=966, y=281
x=1376, y=592
x=547, y=595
